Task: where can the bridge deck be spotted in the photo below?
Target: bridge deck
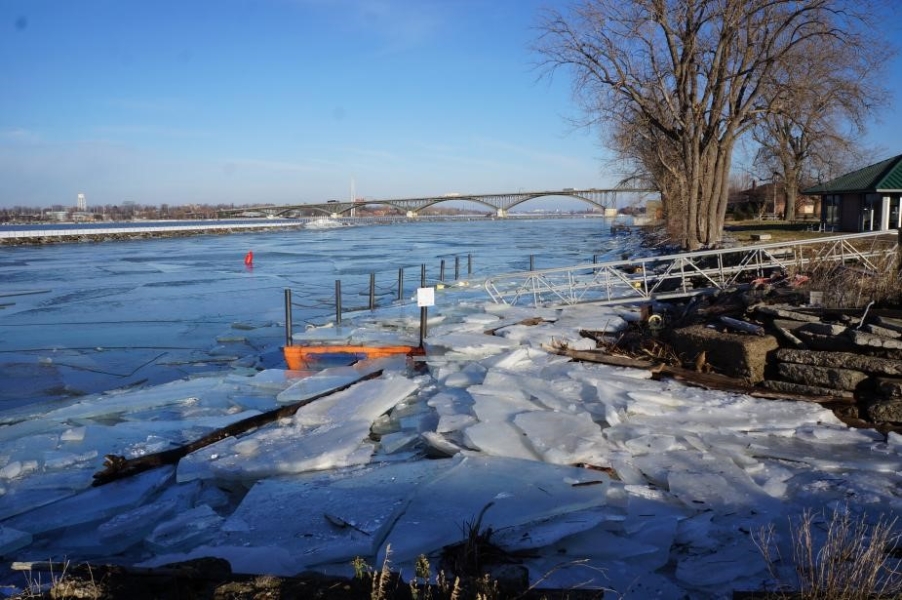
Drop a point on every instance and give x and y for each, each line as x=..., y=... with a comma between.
x=498, y=202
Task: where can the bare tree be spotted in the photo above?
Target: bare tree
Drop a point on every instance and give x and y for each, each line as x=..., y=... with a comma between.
x=819, y=112
x=696, y=74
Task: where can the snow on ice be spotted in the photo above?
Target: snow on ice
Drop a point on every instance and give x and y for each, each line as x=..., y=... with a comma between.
x=495, y=426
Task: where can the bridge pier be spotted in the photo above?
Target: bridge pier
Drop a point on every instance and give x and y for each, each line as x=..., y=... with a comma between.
x=411, y=214
x=501, y=212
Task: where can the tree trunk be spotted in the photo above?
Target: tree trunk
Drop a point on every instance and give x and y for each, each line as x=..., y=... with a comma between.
x=791, y=190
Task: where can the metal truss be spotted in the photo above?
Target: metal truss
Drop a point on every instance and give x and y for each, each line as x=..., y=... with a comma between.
x=682, y=275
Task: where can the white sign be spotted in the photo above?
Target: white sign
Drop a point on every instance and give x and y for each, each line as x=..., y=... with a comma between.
x=426, y=296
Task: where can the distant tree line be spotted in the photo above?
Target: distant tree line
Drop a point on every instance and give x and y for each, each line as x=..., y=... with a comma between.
x=111, y=212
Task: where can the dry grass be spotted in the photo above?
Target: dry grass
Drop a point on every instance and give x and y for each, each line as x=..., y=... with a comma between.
x=835, y=557
x=854, y=286
x=846, y=284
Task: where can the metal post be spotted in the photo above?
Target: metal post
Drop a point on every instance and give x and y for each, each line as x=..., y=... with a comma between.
x=456, y=267
x=594, y=259
x=422, y=325
x=288, y=325
x=532, y=262
x=423, y=275
x=441, y=271
x=338, y=301
x=400, y=284
x=372, y=291
x=469, y=264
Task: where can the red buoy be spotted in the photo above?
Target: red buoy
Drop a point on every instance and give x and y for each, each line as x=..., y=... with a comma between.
x=249, y=259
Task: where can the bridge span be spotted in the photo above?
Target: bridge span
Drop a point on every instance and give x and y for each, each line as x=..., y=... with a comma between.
x=499, y=203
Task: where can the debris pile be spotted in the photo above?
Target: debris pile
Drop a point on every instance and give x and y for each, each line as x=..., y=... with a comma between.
x=772, y=345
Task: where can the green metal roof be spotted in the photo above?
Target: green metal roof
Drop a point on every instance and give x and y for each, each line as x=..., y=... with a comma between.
x=885, y=176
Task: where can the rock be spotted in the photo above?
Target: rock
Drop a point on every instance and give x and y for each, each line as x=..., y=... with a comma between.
x=806, y=390
x=889, y=388
x=820, y=336
x=888, y=323
x=840, y=379
x=843, y=360
x=882, y=331
x=869, y=340
x=736, y=355
x=784, y=330
x=885, y=411
x=783, y=313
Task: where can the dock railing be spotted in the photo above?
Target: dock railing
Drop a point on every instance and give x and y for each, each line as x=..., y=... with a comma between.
x=687, y=274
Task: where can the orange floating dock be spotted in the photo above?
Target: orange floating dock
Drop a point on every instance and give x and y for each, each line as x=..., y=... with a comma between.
x=300, y=357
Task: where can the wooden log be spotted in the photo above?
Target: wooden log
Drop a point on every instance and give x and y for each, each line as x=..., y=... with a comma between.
x=715, y=381
x=742, y=326
x=530, y=322
x=601, y=357
x=118, y=467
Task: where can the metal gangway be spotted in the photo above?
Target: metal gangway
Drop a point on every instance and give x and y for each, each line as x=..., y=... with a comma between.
x=688, y=274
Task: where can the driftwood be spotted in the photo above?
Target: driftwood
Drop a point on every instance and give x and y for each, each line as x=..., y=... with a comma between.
x=602, y=357
x=530, y=322
x=715, y=381
x=744, y=326
x=118, y=467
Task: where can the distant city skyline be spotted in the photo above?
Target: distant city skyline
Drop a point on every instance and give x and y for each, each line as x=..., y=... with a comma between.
x=289, y=101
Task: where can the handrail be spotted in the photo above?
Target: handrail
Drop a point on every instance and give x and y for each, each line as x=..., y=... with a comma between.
x=686, y=274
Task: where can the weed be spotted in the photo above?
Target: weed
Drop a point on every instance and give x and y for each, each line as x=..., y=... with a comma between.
x=361, y=567
x=837, y=558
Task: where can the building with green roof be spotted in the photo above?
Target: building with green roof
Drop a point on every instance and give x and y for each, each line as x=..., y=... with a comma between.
x=868, y=199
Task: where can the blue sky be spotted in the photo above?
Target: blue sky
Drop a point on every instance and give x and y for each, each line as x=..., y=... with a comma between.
x=251, y=101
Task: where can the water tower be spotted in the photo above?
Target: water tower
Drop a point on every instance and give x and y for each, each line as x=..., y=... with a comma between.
x=81, y=204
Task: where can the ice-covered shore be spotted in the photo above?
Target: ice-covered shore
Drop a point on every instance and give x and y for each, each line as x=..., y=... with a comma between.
x=529, y=434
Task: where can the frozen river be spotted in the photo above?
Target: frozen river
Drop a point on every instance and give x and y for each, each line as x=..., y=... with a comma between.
x=81, y=318
x=606, y=477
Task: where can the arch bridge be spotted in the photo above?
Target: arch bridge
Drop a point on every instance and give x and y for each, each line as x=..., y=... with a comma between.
x=499, y=203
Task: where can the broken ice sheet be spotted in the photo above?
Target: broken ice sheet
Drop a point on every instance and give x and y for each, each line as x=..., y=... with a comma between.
x=315, y=518
x=329, y=433
x=706, y=481
x=93, y=505
x=512, y=493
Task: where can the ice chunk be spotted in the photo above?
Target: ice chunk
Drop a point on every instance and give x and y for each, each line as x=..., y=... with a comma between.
x=132, y=526
x=499, y=439
x=439, y=445
x=449, y=423
x=395, y=442
x=728, y=564
x=73, y=434
x=13, y=539
x=521, y=359
x=319, y=517
x=472, y=344
x=562, y=438
x=324, y=381
x=705, y=481
x=508, y=493
x=93, y=505
x=331, y=432
x=171, y=394
x=186, y=530
x=471, y=374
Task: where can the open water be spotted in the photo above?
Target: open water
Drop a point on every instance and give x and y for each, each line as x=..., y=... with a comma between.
x=81, y=318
